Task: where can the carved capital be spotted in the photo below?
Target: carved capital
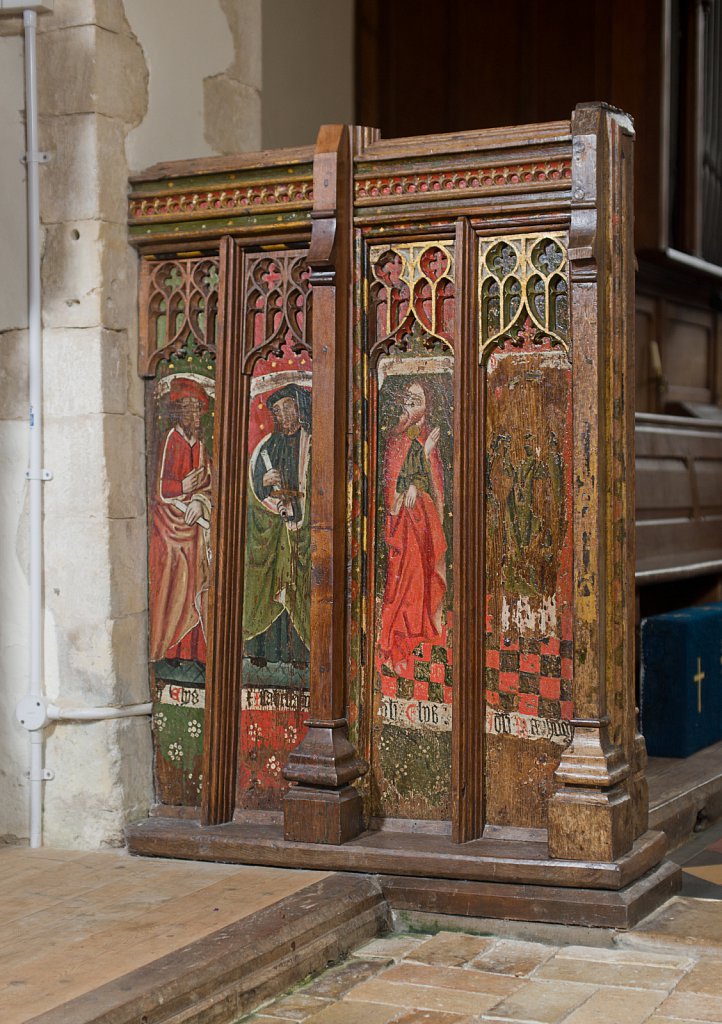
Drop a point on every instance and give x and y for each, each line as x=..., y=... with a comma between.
x=591, y=759
x=325, y=757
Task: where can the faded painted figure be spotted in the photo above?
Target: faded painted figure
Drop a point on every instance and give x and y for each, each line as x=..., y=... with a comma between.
x=276, y=607
x=179, y=553
x=413, y=482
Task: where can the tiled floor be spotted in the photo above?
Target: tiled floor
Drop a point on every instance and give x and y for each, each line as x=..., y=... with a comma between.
x=666, y=971
x=452, y=978
x=71, y=921
x=701, y=861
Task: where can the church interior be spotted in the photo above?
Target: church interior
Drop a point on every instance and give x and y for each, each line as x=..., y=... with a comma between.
x=377, y=481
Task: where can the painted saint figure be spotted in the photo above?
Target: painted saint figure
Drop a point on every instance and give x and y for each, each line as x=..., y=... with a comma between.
x=276, y=606
x=179, y=537
x=413, y=481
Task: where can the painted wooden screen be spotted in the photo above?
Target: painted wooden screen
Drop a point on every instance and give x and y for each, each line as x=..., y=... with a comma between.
x=420, y=573
x=179, y=299
x=228, y=457
x=277, y=559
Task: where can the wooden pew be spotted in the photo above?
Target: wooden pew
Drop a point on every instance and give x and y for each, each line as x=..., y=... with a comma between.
x=679, y=499
x=679, y=563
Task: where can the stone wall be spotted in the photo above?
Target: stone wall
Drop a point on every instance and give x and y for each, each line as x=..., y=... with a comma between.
x=122, y=84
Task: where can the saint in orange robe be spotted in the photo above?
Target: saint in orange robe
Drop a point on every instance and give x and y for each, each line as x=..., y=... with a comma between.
x=416, y=568
x=178, y=554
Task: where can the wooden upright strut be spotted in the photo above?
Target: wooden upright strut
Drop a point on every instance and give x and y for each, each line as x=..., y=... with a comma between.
x=592, y=814
x=323, y=806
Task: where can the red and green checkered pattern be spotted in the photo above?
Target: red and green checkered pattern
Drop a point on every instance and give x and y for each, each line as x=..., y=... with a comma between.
x=428, y=671
x=530, y=675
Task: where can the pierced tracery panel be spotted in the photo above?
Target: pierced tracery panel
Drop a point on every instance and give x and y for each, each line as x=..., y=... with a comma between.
x=523, y=292
x=277, y=302
x=412, y=287
x=178, y=308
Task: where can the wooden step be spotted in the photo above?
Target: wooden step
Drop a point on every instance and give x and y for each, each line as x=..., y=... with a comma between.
x=233, y=970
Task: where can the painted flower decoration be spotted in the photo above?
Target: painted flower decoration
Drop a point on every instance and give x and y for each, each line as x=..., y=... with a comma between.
x=175, y=751
x=254, y=731
x=290, y=733
x=273, y=765
x=160, y=720
x=194, y=728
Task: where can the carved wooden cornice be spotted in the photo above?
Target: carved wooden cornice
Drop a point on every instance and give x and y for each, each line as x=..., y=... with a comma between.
x=207, y=205
x=526, y=176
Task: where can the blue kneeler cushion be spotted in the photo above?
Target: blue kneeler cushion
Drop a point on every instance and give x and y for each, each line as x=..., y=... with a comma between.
x=681, y=680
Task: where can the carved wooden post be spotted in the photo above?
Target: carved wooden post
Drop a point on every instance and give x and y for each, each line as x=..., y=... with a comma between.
x=593, y=814
x=323, y=807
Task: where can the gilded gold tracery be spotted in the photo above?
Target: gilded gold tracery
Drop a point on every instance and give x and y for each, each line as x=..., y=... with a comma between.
x=411, y=290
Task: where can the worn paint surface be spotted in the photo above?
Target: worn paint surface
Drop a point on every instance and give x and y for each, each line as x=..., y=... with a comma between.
x=411, y=583
x=528, y=667
x=277, y=572
x=179, y=418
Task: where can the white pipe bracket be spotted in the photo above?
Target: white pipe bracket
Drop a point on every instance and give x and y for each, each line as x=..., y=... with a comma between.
x=46, y=775
x=44, y=474
x=35, y=158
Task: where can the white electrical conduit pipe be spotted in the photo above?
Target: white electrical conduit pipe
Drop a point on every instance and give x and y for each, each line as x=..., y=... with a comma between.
x=35, y=471
x=33, y=712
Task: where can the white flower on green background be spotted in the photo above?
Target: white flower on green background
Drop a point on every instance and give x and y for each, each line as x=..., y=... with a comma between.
x=160, y=720
x=175, y=752
x=194, y=728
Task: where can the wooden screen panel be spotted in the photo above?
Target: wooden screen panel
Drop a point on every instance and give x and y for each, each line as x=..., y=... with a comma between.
x=528, y=649
x=410, y=580
x=277, y=560
x=179, y=301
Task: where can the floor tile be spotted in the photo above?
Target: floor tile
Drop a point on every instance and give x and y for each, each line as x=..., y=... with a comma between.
x=391, y=946
x=623, y=1005
x=691, y=1004
x=542, y=1002
x=624, y=956
x=297, y=1006
x=355, y=1013
x=336, y=982
x=688, y=921
x=451, y=949
x=600, y=973
x=705, y=978
x=429, y=1017
x=421, y=997
x=509, y=957
x=457, y=978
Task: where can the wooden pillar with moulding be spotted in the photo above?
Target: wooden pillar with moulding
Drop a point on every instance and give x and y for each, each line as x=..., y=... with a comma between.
x=599, y=807
x=322, y=805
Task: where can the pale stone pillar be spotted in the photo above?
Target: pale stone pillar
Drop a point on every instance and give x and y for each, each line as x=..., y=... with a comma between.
x=92, y=91
x=93, y=85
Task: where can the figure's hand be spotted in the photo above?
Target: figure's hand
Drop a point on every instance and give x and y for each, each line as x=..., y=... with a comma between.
x=272, y=478
x=432, y=440
x=410, y=499
x=194, y=512
x=193, y=480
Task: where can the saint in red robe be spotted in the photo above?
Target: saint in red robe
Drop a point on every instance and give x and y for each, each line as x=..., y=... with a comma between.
x=416, y=568
x=178, y=554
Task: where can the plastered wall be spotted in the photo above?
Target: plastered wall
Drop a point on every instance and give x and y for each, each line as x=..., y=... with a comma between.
x=122, y=84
